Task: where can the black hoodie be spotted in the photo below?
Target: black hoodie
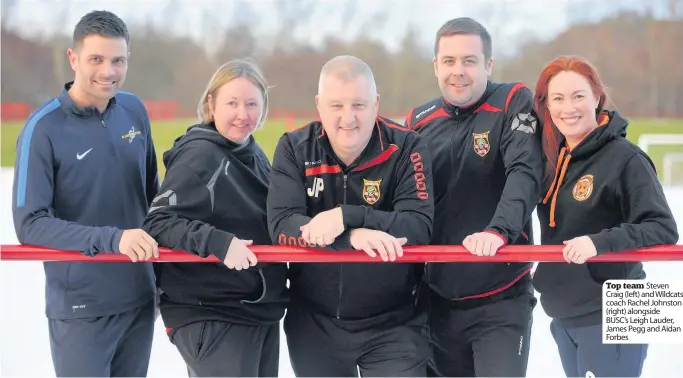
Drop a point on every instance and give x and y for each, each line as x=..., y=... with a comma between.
x=609, y=191
x=214, y=190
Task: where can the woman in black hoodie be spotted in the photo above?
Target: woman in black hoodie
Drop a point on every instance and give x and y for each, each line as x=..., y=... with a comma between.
x=603, y=196
x=223, y=317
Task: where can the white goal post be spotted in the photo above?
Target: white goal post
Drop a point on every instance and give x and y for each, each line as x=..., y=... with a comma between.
x=670, y=158
x=646, y=140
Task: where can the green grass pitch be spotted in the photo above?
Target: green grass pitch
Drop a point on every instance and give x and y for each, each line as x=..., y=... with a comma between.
x=165, y=132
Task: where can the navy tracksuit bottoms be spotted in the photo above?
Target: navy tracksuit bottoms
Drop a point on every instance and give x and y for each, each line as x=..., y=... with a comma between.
x=582, y=351
x=116, y=345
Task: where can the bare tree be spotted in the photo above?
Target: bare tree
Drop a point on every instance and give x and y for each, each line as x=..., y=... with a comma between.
x=634, y=53
x=238, y=42
x=170, y=14
x=376, y=22
x=495, y=17
x=676, y=9
x=57, y=44
x=651, y=28
x=7, y=6
x=211, y=26
x=293, y=15
x=349, y=12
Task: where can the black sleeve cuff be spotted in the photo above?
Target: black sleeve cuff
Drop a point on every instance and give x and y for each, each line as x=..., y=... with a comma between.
x=219, y=242
x=354, y=216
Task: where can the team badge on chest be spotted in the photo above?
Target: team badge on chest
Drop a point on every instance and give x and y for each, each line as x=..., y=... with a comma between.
x=583, y=188
x=132, y=133
x=481, y=143
x=371, y=193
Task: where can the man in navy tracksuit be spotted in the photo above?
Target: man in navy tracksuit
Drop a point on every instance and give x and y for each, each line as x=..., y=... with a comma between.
x=487, y=169
x=85, y=175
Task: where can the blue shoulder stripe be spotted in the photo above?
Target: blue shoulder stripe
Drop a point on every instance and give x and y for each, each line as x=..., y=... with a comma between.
x=25, y=148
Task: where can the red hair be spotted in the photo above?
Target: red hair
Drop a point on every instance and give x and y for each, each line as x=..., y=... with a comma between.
x=551, y=136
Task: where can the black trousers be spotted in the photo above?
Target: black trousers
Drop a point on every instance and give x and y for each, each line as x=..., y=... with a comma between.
x=320, y=346
x=221, y=349
x=484, y=337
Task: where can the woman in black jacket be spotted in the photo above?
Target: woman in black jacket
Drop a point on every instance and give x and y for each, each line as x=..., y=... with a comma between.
x=603, y=196
x=223, y=317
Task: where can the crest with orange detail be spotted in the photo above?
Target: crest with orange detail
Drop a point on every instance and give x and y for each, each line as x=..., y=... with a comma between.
x=583, y=188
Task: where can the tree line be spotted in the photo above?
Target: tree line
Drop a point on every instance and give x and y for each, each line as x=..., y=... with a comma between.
x=639, y=58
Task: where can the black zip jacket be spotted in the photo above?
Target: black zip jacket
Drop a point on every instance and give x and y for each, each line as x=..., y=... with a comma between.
x=487, y=177
x=214, y=190
x=608, y=190
x=388, y=188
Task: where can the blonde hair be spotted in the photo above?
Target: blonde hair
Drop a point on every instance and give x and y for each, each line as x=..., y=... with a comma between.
x=226, y=73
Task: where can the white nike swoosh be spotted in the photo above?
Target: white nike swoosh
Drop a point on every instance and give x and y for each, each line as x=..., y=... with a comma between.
x=81, y=156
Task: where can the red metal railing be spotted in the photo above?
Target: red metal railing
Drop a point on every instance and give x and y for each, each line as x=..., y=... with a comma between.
x=432, y=253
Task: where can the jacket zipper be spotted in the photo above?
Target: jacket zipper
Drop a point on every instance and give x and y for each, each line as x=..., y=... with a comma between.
x=345, y=177
x=453, y=138
x=341, y=266
x=427, y=271
x=110, y=144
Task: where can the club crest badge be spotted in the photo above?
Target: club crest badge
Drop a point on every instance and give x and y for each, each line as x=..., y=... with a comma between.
x=371, y=193
x=583, y=188
x=481, y=143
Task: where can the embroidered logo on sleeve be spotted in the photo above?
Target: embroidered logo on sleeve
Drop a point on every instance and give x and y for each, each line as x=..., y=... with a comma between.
x=525, y=123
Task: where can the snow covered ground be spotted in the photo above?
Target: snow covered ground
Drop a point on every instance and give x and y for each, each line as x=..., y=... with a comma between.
x=25, y=348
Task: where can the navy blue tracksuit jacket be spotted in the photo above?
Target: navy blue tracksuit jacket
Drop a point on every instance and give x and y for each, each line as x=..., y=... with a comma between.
x=81, y=178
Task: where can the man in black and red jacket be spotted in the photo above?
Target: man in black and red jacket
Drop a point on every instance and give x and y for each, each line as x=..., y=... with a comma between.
x=487, y=172
x=352, y=180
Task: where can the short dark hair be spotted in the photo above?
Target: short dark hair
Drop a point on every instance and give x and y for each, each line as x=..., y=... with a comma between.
x=102, y=23
x=465, y=25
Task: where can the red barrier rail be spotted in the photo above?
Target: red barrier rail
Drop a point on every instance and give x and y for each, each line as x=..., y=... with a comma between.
x=432, y=253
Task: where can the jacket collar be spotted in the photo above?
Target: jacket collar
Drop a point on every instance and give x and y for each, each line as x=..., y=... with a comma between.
x=377, y=150
x=70, y=106
x=463, y=111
